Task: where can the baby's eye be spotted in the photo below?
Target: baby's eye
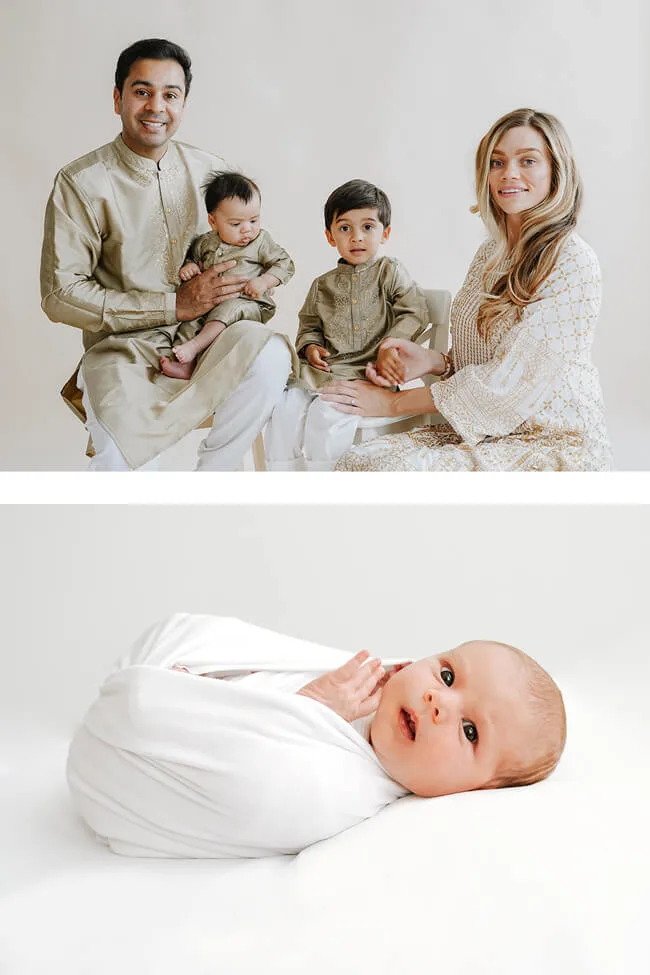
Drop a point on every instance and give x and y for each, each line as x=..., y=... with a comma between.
x=369, y=226
x=344, y=227
x=234, y=224
x=470, y=732
x=447, y=676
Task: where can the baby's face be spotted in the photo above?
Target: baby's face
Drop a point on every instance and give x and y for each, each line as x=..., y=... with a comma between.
x=237, y=222
x=448, y=723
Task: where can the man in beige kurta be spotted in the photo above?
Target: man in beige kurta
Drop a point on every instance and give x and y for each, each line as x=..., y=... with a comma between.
x=118, y=225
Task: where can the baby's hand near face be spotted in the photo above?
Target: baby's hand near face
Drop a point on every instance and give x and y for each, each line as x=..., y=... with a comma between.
x=189, y=271
x=255, y=288
x=352, y=691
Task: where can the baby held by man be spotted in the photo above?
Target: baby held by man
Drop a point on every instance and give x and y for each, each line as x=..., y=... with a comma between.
x=216, y=738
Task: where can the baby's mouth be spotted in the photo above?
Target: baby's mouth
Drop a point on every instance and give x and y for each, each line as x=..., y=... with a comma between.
x=407, y=724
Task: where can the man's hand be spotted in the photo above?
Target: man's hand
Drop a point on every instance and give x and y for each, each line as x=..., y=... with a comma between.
x=203, y=292
x=189, y=271
x=353, y=691
x=316, y=355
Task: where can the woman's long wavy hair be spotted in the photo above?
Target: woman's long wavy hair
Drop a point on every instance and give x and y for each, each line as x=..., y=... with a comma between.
x=544, y=228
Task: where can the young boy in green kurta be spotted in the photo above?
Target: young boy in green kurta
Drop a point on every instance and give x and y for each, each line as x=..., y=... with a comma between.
x=348, y=312
x=233, y=204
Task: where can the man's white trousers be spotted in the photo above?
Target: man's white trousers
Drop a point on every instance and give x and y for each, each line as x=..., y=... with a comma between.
x=235, y=425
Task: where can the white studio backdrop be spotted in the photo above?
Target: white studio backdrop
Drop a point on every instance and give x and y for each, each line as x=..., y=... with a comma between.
x=304, y=95
x=79, y=583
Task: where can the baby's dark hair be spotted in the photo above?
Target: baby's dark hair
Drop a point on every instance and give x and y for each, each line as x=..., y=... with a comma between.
x=549, y=718
x=221, y=186
x=356, y=194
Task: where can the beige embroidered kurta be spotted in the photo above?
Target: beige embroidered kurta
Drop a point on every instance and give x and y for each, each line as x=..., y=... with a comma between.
x=350, y=310
x=117, y=229
x=527, y=397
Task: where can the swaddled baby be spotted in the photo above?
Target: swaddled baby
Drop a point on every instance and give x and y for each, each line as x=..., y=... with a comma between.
x=291, y=745
x=481, y=716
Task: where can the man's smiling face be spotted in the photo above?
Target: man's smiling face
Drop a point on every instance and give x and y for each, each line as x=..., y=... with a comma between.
x=151, y=105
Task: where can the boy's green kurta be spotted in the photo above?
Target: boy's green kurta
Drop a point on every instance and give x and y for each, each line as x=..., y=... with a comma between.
x=117, y=229
x=350, y=310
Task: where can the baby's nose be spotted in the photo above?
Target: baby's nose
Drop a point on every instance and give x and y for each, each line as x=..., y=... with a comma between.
x=432, y=698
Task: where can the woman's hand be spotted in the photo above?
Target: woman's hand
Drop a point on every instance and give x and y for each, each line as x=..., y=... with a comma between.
x=352, y=691
x=400, y=361
x=360, y=397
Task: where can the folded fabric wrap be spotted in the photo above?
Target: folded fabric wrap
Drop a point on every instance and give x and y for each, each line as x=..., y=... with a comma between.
x=171, y=764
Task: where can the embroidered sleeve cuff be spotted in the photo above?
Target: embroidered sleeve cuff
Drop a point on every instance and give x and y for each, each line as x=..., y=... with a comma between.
x=467, y=414
x=283, y=274
x=169, y=308
x=493, y=399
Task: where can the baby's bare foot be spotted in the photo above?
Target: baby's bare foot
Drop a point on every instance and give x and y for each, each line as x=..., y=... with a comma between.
x=176, y=370
x=187, y=352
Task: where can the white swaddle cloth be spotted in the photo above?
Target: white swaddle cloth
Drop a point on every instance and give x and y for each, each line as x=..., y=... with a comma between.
x=176, y=765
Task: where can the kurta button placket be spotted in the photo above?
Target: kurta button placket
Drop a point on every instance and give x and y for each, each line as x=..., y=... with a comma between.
x=354, y=288
x=173, y=230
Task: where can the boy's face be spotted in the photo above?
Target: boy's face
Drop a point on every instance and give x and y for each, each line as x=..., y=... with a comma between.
x=236, y=222
x=448, y=723
x=357, y=235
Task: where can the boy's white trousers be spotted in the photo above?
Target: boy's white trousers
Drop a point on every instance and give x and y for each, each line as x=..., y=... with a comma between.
x=306, y=433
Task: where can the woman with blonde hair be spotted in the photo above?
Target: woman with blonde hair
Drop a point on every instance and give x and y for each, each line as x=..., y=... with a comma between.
x=518, y=390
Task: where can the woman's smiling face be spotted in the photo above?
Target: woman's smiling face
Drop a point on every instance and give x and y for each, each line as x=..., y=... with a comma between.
x=520, y=170
x=450, y=723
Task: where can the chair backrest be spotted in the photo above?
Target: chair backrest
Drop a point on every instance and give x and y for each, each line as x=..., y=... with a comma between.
x=439, y=305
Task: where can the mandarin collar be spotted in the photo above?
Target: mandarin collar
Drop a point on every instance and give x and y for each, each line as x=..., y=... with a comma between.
x=355, y=268
x=142, y=164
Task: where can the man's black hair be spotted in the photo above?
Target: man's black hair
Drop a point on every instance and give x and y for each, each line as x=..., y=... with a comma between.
x=226, y=186
x=154, y=49
x=357, y=195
